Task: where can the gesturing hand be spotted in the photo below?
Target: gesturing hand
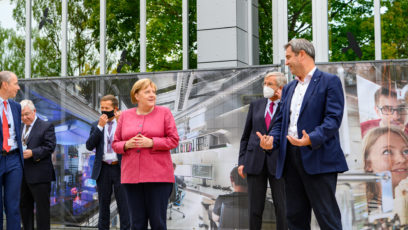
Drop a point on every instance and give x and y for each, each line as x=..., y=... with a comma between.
x=103, y=119
x=266, y=141
x=304, y=141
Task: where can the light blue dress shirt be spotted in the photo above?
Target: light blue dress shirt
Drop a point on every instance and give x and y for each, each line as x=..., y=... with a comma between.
x=12, y=129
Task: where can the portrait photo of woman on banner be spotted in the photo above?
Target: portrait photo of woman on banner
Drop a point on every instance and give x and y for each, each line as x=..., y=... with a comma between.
x=383, y=112
x=385, y=149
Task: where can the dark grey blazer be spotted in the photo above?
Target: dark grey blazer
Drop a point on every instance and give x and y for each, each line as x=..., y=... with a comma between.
x=42, y=141
x=251, y=155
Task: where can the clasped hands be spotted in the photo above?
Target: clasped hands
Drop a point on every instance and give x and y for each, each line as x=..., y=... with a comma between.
x=266, y=141
x=139, y=141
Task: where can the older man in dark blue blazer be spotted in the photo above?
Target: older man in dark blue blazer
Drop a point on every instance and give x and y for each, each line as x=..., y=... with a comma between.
x=259, y=164
x=39, y=143
x=306, y=133
x=106, y=169
x=11, y=157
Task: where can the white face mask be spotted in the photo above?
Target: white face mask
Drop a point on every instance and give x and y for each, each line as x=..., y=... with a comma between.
x=268, y=92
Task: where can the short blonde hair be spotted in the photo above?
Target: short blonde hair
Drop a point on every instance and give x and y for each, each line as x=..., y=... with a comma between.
x=139, y=85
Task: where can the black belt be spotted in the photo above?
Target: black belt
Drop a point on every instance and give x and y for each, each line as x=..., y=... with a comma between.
x=5, y=153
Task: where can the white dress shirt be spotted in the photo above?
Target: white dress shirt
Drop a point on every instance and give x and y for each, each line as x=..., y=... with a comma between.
x=296, y=103
x=108, y=157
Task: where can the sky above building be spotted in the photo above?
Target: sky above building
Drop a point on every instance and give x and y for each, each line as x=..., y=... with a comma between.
x=6, y=15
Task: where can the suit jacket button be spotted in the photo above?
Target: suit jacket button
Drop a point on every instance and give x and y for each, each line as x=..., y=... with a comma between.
x=138, y=150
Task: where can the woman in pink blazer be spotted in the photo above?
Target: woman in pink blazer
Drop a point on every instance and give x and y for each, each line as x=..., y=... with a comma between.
x=144, y=136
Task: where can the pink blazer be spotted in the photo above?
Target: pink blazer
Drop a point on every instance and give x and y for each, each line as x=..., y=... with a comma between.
x=140, y=165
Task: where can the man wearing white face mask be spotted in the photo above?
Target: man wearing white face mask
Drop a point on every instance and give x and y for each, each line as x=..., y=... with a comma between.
x=257, y=164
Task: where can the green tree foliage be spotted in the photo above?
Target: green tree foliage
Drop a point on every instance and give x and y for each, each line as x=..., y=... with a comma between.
x=122, y=28
x=46, y=42
x=395, y=29
x=164, y=32
x=357, y=17
x=299, y=25
x=353, y=16
x=265, y=31
x=12, y=49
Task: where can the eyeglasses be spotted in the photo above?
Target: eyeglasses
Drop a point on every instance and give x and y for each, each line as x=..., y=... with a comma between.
x=389, y=110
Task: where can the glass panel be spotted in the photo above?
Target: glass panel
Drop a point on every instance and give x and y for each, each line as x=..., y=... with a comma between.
x=210, y=108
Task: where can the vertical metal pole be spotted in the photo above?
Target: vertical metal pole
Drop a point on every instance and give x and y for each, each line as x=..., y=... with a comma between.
x=279, y=29
x=64, y=38
x=102, y=35
x=185, y=35
x=377, y=29
x=320, y=30
x=250, y=40
x=142, y=35
x=28, y=40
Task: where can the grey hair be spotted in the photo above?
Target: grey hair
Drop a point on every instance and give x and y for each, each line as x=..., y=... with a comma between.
x=279, y=77
x=5, y=76
x=299, y=44
x=28, y=103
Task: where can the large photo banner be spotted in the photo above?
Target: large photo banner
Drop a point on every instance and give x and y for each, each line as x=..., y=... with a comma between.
x=382, y=92
x=210, y=109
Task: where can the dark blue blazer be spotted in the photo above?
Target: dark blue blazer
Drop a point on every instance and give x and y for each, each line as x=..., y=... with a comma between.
x=16, y=110
x=251, y=155
x=320, y=116
x=96, y=141
x=42, y=141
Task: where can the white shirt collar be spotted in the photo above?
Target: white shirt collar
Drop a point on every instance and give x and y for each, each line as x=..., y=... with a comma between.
x=311, y=72
x=308, y=76
x=1, y=100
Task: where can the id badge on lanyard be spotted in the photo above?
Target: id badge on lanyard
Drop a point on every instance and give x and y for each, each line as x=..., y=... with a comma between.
x=25, y=137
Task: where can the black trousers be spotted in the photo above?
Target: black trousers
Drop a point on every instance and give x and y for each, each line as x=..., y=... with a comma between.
x=108, y=181
x=305, y=192
x=148, y=202
x=257, y=185
x=39, y=194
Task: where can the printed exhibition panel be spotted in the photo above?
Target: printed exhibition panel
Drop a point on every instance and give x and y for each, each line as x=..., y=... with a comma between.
x=210, y=108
